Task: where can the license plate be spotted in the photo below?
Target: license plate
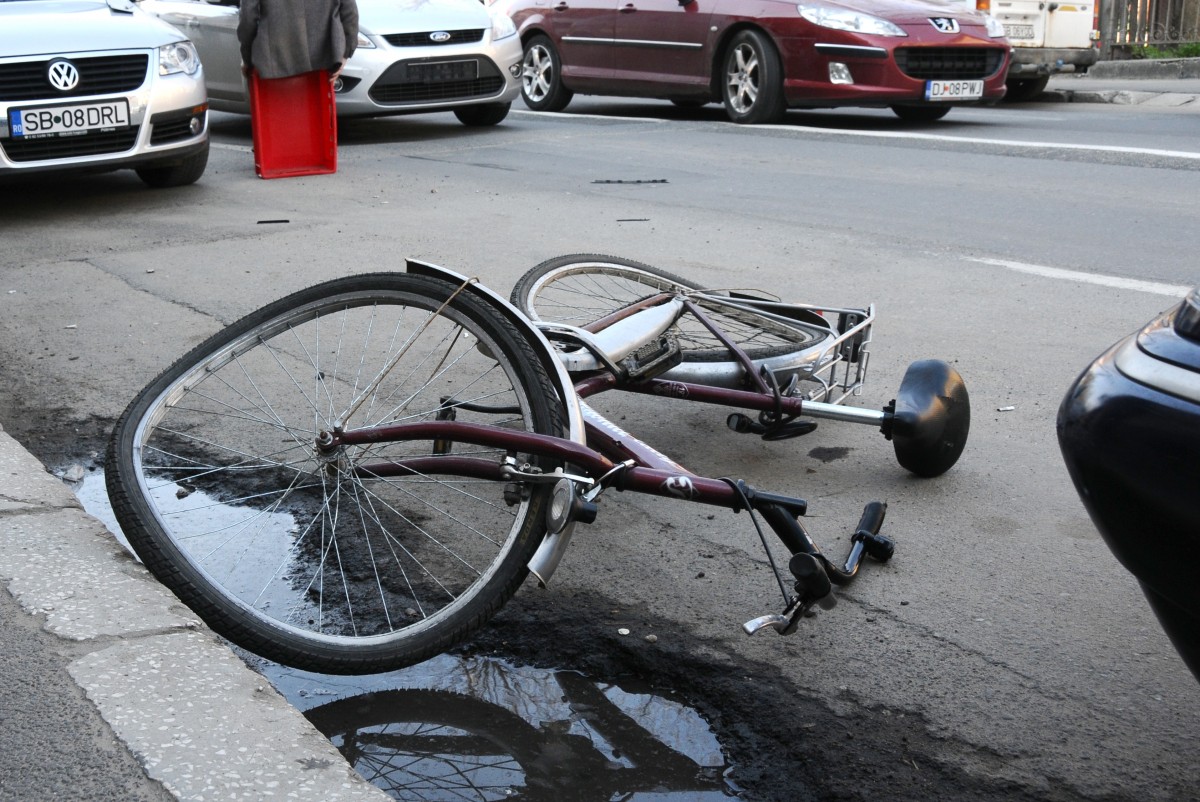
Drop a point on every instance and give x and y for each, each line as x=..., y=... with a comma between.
x=55, y=121
x=953, y=90
x=1018, y=31
x=434, y=71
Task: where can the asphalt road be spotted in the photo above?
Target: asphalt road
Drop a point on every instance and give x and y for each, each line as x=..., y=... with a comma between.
x=1002, y=653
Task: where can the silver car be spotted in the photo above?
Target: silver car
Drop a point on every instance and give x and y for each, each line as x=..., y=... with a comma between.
x=99, y=85
x=412, y=56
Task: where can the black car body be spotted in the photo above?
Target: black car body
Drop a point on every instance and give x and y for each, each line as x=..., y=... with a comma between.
x=1129, y=429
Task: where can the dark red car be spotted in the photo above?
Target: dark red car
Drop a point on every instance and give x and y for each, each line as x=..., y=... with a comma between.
x=762, y=57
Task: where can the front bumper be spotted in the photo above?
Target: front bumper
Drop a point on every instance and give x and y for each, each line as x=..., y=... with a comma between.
x=168, y=121
x=885, y=77
x=385, y=80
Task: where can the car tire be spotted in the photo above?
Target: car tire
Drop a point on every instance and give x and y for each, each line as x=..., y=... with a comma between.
x=541, y=76
x=1020, y=89
x=920, y=114
x=752, y=79
x=483, y=114
x=177, y=174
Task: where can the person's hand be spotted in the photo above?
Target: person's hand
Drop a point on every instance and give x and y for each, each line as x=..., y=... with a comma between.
x=337, y=71
x=246, y=70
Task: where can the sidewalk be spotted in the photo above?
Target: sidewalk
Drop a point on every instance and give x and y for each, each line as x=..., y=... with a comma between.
x=1166, y=82
x=95, y=647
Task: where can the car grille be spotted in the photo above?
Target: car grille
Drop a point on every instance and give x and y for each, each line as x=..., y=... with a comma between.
x=98, y=75
x=395, y=88
x=422, y=39
x=949, y=63
x=92, y=144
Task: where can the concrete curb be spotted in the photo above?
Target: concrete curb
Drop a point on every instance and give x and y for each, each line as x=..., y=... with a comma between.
x=1146, y=69
x=1120, y=97
x=195, y=717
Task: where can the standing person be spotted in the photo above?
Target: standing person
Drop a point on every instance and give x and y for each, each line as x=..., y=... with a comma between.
x=282, y=38
x=286, y=46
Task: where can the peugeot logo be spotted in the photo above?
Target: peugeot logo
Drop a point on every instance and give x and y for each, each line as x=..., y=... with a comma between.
x=944, y=24
x=62, y=75
x=439, y=36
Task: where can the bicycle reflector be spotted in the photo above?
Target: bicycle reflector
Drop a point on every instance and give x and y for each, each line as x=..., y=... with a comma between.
x=566, y=505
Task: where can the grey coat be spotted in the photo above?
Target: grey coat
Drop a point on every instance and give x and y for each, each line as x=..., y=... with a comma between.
x=280, y=38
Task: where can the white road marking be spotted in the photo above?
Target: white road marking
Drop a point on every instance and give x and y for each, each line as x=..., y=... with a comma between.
x=226, y=146
x=1013, y=143
x=1157, y=288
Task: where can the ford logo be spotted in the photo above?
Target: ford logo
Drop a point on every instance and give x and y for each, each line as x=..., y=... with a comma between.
x=440, y=36
x=62, y=75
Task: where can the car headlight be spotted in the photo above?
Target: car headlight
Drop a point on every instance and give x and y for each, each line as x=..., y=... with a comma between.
x=363, y=41
x=842, y=19
x=178, y=57
x=995, y=28
x=502, y=25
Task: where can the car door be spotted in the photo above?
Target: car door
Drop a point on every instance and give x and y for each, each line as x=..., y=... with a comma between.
x=583, y=33
x=212, y=27
x=662, y=46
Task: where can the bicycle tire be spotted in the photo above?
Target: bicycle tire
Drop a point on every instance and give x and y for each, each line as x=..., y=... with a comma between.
x=280, y=547
x=579, y=289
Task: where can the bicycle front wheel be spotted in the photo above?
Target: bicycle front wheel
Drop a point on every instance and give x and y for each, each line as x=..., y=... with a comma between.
x=582, y=288
x=299, y=553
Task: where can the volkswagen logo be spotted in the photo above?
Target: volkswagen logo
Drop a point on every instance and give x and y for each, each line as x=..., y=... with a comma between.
x=62, y=75
x=944, y=24
x=440, y=36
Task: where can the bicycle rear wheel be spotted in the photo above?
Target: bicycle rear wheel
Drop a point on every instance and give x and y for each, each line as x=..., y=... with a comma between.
x=217, y=480
x=582, y=288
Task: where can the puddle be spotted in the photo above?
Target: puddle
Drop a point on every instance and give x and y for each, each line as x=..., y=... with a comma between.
x=479, y=728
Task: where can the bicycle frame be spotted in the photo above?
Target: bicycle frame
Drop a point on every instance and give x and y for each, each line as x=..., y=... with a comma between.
x=610, y=457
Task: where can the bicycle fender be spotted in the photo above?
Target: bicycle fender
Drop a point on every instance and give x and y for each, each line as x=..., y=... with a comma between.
x=549, y=553
x=558, y=374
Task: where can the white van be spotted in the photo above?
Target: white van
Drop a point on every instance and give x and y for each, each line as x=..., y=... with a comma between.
x=1047, y=37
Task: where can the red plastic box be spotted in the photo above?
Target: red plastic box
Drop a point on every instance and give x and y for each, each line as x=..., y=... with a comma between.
x=294, y=125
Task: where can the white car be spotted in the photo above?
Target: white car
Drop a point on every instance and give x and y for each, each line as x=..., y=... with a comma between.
x=99, y=85
x=412, y=56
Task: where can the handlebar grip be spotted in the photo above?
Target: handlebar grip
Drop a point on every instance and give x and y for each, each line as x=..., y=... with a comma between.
x=811, y=580
x=878, y=546
x=872, y=517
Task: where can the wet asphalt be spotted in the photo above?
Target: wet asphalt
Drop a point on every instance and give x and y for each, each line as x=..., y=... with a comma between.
x=111, y=689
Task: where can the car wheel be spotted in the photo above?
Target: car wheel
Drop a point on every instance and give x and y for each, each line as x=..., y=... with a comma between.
x=753, y=80
x=482, y=115
x=541, y=77
x=920, y=114
x=177, y=174
x=1025, y=88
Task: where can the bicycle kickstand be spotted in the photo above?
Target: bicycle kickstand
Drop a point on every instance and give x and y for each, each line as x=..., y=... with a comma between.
x=814, y=589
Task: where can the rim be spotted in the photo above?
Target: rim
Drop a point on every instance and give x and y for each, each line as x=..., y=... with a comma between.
x=288, y=562
x=741, y=80
x=577, y=283
x=536, y=73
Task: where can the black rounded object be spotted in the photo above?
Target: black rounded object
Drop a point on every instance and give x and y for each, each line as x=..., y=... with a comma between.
x=931, y=418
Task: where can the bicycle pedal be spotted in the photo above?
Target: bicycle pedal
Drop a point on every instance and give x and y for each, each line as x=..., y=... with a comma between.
x=653, y=358
x=791, y=429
